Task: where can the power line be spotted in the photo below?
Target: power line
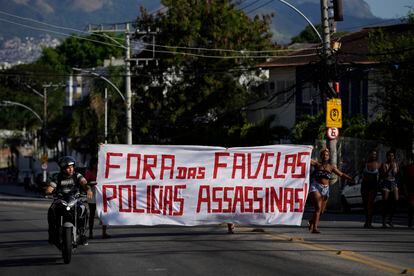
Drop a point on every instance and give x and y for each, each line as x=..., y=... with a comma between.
x=228, y=57
x=261, y=6
x=159, y=51
x=227, y=50
x=249, y=5
x=164, y=46
x=121, y=46
x=60, y=33
x=46, y=24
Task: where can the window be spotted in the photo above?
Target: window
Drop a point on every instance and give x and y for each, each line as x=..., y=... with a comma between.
x=310, y=94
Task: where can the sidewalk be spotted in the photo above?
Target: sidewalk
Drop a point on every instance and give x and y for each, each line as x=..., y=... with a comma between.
x=14, y=194
x=14, y=189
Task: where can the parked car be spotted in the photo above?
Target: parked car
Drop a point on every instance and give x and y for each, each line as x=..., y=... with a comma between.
x=351, y=198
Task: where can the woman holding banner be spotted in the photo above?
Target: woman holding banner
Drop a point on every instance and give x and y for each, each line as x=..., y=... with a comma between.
x=319, y=188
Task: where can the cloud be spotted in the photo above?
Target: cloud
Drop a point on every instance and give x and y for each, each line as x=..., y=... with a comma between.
x=40, y=5
x=21, y=2
x=90, y=5
x=44, y=6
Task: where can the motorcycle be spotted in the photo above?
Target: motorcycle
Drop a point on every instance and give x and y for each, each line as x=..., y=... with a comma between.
x=69, y=214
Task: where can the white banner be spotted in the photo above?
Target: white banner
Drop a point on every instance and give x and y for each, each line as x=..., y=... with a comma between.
x=197, y=185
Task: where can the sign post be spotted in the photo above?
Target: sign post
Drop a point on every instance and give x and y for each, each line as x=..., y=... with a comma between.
x=44, y=159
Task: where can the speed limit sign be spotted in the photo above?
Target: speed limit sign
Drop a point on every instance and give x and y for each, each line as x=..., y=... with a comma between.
x=332, y=133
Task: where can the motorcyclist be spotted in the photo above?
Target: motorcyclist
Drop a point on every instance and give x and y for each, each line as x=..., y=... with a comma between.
x=67, y=182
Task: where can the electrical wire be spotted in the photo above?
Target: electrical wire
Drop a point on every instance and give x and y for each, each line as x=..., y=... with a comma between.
x=249, y=5
x=61, y=33
x=227, y=57
x=158, y=51
x=261, y=6
x=227, y=50
x=48, y=24
x=148, y=44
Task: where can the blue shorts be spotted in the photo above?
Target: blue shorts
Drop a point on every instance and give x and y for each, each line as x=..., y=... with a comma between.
x=317, y=187
x=389, y=185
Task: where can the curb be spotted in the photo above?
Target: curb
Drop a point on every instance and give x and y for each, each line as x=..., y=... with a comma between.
x=24, y=204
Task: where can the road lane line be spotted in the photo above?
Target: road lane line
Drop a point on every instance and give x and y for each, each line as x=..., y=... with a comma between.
x=345, y=254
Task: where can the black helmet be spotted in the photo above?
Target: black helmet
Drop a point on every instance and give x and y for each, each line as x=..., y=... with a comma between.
x=66, y=161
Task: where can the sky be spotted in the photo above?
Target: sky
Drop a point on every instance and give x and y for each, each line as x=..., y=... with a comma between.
x=390, y=8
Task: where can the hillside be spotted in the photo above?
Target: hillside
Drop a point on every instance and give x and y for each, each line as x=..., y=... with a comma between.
x=78, y=14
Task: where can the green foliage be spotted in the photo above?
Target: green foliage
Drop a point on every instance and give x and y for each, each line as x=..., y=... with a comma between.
x=308, y=35
x=86, y=52
x=309, y=128
x=262, y=133
x=396, y=52
x=13, y=87
x=355, y=127
x=85, y=127
x=197, y=99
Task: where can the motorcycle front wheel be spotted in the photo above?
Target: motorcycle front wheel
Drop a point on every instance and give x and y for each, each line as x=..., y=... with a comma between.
x=67, y=244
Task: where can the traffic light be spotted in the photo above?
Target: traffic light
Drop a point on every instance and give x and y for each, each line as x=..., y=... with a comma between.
x=338, y=11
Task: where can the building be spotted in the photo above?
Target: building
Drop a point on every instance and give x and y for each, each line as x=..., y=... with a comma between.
x=293, y=92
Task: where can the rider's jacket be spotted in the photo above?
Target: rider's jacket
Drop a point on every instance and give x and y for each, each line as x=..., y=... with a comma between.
x=67, y=184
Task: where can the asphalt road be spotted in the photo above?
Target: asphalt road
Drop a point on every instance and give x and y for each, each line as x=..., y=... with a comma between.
x=344, y=248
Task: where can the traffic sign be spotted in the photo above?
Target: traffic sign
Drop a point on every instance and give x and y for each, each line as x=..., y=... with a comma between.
x=332, y=133
x=334, y=113
x=44, y=166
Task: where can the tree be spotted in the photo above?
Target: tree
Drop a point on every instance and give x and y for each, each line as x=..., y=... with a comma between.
x=194, y=95
x=15, y=86
x=82, y=52
x=308, y=35
x=53, y=67
x=394, y=48
x=85, y=125
x=309, y=128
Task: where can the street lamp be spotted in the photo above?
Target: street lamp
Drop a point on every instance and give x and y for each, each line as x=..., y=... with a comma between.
x=10, y=103
x=44, y=158
x=301, y=13
x=44, y=122
x=127, y=102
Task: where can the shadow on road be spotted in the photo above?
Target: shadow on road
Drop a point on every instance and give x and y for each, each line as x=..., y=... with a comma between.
x=38, y=261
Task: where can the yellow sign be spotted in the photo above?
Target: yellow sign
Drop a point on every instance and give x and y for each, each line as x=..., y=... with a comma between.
x=334, y=113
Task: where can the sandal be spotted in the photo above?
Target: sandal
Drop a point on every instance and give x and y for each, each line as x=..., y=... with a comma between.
x=315, y=231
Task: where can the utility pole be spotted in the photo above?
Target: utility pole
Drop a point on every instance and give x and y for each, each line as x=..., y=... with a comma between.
x=326, y=36
x=328, y=92
x=128, y=84
x=115, y=28
x=106, y=115
x=127, y=60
